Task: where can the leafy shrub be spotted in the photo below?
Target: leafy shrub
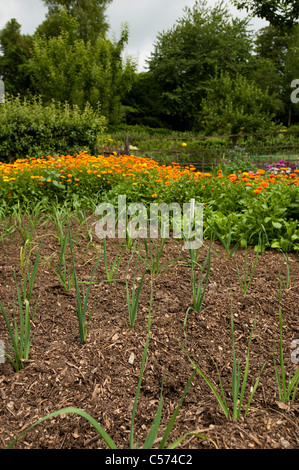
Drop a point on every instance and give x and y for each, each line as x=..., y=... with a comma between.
x=29, y=128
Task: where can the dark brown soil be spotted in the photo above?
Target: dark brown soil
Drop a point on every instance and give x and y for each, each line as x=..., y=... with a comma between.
x=101, y=376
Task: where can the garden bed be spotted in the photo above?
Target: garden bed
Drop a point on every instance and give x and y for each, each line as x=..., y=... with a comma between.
x=101, y=375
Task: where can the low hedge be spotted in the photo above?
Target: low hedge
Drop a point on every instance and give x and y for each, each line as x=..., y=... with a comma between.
x=29, y=128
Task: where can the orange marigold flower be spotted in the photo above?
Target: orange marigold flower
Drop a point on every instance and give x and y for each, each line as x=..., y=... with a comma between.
x=154, y=195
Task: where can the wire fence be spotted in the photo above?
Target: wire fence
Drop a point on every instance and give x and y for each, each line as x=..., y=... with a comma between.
x=205, y=152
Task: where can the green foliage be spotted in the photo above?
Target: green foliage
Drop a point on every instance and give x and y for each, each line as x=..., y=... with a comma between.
x=237, y=392
x=155, y=427
x=66, y=68
x=58, y=22
x=112, y=270
x=233, y=105
x=237, y=162
x=133, y=297
x=245, y=281
x=20, y=332
x=282, y=13
x=89, y=14
x=287, y=389
x=81, y=298
x=143, y=103
x=14, y=59
x=202, y=42
x=278, y=50
x=31, y=128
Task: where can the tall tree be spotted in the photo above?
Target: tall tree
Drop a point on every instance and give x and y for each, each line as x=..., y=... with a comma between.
x=89, y=13
x=58, y=22
x=279, y=49
x=282, y=13
x=142, y=102
x=234, y=104
x=201, y=43
x=69, y=69
x=15, y=53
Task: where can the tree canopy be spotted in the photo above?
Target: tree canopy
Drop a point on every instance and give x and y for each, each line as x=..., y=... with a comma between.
x=65, y=68
x=89, y=13
x=282, y=13
x=205, y=74
x=202, y=42
x=15, y=50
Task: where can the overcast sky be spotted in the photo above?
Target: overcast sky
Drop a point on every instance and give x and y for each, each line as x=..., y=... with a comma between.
x=146, y=18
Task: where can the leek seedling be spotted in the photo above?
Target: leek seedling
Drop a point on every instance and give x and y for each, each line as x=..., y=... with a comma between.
x=287, y=284
x=153, y=252
x=29, y=277
x=81, y=303
x=133, y=299
x=155, y=427
x=226, y=240
x=63, y=272
x=287, y=389
x=26, y=230
x=237, y=394
x=111, y=271
x=20, y=333
x=246, y=281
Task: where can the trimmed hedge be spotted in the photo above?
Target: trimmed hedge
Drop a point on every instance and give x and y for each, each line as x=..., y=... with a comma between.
x=29, y=128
